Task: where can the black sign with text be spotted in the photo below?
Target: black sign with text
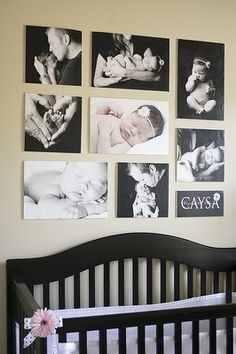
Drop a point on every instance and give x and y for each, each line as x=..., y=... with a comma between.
x=200, y=203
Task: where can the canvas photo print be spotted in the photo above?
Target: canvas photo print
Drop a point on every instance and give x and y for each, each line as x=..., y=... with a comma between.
x=200, y=80
x=130, y=61
x=143, y=190
x=200, y=155
x=65, y=189
x=128, y=126
x=200, y=203
x=53, y=55
x=52, y=123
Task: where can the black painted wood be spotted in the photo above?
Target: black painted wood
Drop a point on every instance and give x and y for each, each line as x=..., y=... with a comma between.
x=133, y=246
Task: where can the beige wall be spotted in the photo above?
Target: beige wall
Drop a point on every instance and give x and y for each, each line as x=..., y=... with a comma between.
x=200, y=20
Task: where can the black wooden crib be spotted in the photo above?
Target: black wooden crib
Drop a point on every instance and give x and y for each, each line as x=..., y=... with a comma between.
x=124, y=270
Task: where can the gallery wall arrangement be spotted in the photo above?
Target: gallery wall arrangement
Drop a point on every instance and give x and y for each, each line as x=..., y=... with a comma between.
x=121, y=126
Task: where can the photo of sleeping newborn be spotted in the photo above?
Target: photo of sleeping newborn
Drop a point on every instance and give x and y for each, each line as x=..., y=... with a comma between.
x=200, y=155
x=65, y=189
x=127, y=126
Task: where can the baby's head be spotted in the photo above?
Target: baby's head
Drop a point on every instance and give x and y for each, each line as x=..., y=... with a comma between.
x=142, y=189
x=214, y=155
x=141, y=125
x=48, y=59
x=153, y=63
x=84, y=181
x=200, y=68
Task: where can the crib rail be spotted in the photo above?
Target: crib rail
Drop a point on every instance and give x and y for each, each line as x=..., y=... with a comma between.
x=82, y=325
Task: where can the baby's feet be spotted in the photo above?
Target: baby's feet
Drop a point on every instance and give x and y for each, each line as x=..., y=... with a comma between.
x=58, y=118
x=53, y=120
x=201, y=110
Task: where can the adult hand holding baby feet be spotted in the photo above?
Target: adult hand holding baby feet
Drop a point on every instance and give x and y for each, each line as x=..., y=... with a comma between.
x=34, y=123
x=64, y=110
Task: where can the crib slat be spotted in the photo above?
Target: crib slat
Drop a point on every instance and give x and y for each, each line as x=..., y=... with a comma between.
x=77, y=291
x=229, y=321
x=176, y=281
x=61, y=293
x=178, y=338
x=135, y=281
x=46, y=295
x=141, y=340
x=203, y=282
x=106, y=284
x=62, y=336
x=121, y=296
x=212, y=336
x=216, y=282
x=122, y=340
x=149, y=281
x=163, y=280
x=195, y=337
x=159, y=339
x=91, y=287
x=83, y=342
x=190, y=281
x=102, y=342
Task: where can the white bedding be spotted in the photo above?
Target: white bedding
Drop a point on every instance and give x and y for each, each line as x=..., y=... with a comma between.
x=150, y=331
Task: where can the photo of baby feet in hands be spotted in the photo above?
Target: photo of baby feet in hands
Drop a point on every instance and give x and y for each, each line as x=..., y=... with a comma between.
x=53, y=120
x=52, y=123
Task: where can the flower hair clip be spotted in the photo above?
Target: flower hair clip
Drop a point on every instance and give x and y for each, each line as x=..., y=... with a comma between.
x=144, y=112
x=161, y=63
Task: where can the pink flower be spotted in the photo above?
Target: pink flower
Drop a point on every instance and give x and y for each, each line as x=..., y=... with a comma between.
x=43, y=323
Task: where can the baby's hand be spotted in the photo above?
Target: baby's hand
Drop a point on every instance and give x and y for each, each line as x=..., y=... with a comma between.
x=193, y=77
x=195, y=168
x=74, y=211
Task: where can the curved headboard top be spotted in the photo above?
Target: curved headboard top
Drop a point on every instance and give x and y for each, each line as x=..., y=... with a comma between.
x=117, y=247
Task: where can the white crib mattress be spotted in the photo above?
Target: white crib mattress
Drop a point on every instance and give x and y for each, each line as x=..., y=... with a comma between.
x=72, y=344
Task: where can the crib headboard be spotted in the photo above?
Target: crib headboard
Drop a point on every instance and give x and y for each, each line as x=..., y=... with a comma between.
x=160, y=257
x=149, y=246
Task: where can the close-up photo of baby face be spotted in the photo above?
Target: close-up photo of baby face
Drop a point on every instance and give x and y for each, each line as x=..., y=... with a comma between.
x=84, y=181
x=135, y=129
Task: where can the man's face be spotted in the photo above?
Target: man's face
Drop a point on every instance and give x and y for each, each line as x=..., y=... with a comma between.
x=57, y=44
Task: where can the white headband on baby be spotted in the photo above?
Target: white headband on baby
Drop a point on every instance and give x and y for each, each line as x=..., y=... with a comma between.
x=144, y=112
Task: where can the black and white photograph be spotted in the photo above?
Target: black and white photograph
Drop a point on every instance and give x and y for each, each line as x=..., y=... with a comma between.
x=200, y=155
x=129, y=126
x=65, y=189
x=200, y=203
x=130, y=61
x=143, y=190
x=200, y=80
x=53, y=55
x=52, y=123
